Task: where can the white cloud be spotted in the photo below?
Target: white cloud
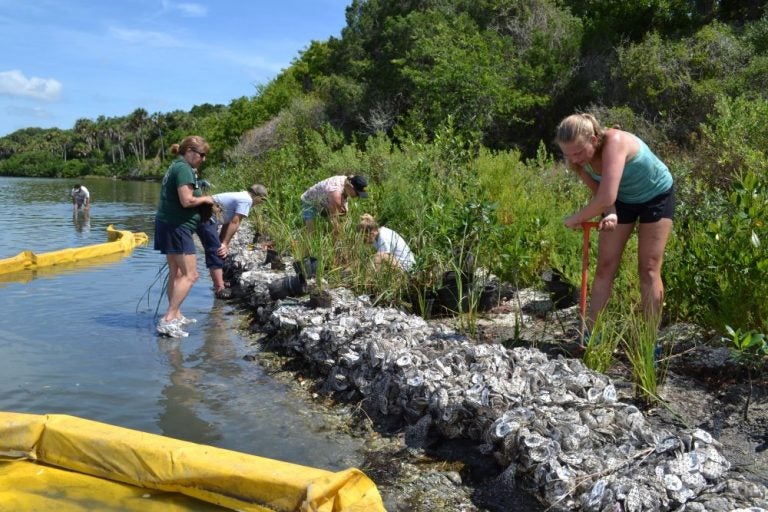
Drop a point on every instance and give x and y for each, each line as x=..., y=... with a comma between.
x=156, y=39
x=14, y=83
x=192, y=10
x=186, y=9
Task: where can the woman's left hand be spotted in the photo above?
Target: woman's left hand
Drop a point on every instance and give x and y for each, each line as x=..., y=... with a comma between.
x=608, y=223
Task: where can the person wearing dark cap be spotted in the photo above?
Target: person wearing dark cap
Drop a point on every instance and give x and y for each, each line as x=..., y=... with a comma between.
x=233, y=208
x=328, y=198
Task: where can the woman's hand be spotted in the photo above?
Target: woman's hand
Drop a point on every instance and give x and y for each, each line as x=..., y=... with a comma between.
x=608, y=223
x=572, y=222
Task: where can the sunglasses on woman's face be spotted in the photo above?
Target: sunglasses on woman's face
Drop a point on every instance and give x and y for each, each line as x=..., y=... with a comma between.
x=202, y=155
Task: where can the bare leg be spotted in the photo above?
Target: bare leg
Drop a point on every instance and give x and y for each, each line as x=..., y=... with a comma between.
x=217, y=276
x=173, y=272
x=610, y=248
x=182, y=275
x=652, y=240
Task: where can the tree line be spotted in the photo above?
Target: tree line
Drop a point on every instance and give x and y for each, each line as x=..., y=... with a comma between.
x=505, y=71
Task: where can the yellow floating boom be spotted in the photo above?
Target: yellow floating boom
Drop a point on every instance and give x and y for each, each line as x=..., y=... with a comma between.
x=62, y=463
x=120, y=242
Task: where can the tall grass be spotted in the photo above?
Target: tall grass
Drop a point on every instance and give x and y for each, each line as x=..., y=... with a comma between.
x=450, y=192
x=608, y=333
x=641, y=349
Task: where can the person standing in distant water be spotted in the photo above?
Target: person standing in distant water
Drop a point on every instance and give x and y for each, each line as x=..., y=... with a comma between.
x=390, y=246
x=235, y=206
x=176, y=219
x=630, y=184
x=328, y=198
x=81, y=198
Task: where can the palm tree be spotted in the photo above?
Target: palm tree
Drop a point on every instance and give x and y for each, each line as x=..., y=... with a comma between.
x=137, y=123
x=85, y=130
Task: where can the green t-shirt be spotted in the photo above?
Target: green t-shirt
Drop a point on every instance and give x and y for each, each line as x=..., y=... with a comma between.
x=170, y=209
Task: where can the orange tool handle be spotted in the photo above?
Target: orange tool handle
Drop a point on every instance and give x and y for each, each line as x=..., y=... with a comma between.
x=587, y=226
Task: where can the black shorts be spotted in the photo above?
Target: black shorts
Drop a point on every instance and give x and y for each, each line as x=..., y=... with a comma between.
x=660, y=207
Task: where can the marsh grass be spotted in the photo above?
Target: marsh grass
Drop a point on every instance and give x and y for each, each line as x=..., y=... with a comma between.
x=443, y=190
x=605, y=337
x=385, y=284
x=640, y=346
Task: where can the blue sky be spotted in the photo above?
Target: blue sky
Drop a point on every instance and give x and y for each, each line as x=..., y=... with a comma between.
x=63, y=60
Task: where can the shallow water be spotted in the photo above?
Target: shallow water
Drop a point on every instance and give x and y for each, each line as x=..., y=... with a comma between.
x=81, y=340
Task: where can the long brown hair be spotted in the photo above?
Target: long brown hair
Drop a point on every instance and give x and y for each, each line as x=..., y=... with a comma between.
x=193, y=142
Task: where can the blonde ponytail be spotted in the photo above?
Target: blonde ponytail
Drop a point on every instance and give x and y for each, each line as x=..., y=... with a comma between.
x=579, y=127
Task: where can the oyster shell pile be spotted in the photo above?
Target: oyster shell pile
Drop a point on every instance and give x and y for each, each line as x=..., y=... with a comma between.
x=552, y=421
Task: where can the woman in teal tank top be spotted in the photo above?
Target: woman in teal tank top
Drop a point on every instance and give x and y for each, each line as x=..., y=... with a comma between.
x=630, y=186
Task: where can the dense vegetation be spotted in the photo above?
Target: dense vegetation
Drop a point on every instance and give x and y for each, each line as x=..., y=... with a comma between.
x=449, y=108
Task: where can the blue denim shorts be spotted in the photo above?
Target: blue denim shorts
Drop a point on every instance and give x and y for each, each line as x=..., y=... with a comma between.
x=309, y=211
x=171, y=239
x=209, y=237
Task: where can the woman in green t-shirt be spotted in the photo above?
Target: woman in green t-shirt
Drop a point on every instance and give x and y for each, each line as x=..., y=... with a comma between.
x=177, y=218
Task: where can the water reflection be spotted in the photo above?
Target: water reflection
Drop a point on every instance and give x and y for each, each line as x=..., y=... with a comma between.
x=218, y=348
x=185, y=397
x=82, y=221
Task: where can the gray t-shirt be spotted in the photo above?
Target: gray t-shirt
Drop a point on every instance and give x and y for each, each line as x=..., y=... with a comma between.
x=232, y=203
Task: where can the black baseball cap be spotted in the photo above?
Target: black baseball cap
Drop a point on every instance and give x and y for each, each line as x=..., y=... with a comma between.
x=359, y=183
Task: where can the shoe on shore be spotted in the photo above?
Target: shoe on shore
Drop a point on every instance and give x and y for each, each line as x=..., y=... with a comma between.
x=171, y=329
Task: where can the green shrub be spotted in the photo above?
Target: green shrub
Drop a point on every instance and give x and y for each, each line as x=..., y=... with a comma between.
x=36, y=164
x=733, y=140
x=717, y=268
x=73, y=169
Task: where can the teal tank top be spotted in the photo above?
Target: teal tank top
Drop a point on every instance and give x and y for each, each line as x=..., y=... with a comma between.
x=645, y=176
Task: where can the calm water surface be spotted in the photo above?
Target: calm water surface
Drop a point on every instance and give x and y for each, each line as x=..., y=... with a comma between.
x=81, y=341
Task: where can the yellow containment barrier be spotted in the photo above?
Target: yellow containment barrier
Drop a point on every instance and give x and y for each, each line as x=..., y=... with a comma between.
x=120, y=243
x=62, y=463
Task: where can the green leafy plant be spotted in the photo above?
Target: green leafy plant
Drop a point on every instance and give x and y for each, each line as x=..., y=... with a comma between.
x=717, y=272
x=749, y=349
